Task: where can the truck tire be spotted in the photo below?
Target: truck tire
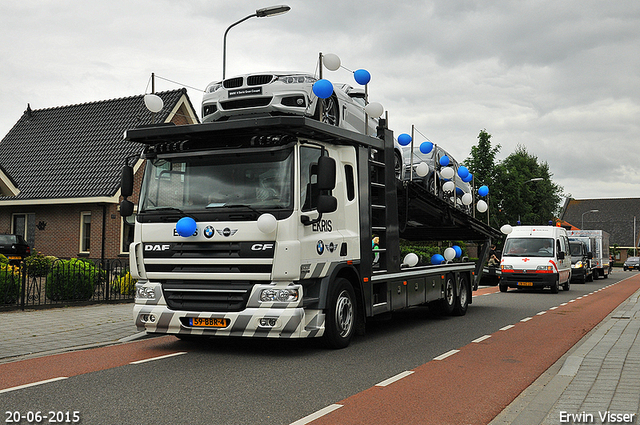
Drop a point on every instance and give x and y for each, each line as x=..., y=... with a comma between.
x=341, y=316
x=448, y=303
x=462, y=300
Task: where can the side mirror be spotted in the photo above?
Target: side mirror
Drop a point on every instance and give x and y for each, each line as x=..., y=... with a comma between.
x=126, y=181
x=327, y=204
x=126, y=208
x=560, y=255
x=589, y=255
x=326, y=173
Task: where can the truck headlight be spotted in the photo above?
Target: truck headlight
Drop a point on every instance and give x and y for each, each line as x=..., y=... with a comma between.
x=146, y=292
x=279, y=295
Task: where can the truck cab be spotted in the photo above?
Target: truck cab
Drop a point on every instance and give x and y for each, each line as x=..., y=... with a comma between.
x=580, y=261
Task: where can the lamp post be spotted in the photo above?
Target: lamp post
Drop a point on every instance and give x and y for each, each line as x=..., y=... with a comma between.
x=535, y=179
x=260, y=13
x=587, y=212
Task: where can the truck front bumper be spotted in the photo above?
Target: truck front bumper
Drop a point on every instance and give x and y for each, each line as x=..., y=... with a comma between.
x=251, y=322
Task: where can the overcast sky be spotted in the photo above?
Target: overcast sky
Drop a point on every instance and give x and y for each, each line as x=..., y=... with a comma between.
x=560, y=77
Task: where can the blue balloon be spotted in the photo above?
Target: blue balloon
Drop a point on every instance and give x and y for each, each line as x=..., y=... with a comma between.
x=322, y=88
x=426, y=147
x=459, y=191
x=458, y=251
x=444, y=160
x=186, y=227
x=483, y=191
x=362, y=76
x=437, y=259
x=468, y=178
x=463, y=171
x=404, y=139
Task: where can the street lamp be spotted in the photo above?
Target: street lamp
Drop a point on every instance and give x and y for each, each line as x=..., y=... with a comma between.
x=587, y=212
x=260, y=13
x=535, y=179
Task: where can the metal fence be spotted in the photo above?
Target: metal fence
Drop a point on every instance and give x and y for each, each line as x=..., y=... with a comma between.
x=64, y=282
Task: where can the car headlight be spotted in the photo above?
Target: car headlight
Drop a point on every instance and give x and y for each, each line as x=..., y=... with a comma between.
x=279, y=295
x=213, y=87
x=578, y=265
x=296, y=79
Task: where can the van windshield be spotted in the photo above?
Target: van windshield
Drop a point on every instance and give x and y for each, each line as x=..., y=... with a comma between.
x=576, y=249
x=528, y=247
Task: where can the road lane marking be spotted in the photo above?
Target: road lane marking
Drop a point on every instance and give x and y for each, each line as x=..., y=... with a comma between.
x=541, y=313
x=482, y=338
x=394, y=378
x=33, y=384
x=320, y=413
x=447, y=354
x=159, y=357
x=526, y=319
x=507, y=327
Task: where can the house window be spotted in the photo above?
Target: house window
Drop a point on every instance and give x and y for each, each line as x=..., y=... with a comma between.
x=19, y=225
x=85, y=231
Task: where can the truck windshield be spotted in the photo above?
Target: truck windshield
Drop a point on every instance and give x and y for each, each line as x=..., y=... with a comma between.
x=256, y=180
x=528, y=247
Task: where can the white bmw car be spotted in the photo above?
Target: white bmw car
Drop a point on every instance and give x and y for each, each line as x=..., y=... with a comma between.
x=283, y=93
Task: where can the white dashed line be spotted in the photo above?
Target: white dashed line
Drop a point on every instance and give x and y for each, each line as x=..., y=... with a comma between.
x=320, y=413
x=33, y=384
x=507, y=327
x=394, y=378
x=159, y=358
x=482, y=338
x=445, y=355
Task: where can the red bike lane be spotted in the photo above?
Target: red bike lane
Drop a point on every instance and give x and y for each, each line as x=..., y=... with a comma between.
x=473, y=385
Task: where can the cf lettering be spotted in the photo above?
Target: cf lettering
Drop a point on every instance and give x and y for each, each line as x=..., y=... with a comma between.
x=261, y=246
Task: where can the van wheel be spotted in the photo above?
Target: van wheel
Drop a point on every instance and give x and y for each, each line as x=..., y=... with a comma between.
x=504, y=288
x=462, y=301
x=448, y=303
x=566, y=286
x=340, y=314
x=555, y=288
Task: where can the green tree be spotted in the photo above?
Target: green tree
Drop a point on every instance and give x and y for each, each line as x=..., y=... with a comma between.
x=482, y=160
x=519, y=195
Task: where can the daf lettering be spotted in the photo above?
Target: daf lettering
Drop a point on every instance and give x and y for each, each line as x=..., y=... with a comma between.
x=261, y=246
x=158, y=247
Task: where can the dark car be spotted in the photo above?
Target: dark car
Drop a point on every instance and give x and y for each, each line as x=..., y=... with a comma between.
x=632, y=263
x=14, y=247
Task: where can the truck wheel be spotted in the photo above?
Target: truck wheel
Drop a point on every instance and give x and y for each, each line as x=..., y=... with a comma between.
x=462, y=300
x=595, y=274
x=340, y=314
x=448, y=303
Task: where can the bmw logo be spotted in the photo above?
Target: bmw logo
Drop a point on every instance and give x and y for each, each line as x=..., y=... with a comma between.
x=320, y=247
x=208, y=232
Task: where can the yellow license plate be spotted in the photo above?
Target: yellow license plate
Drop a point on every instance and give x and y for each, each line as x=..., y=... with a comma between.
x=525, y=283
x=208, y=323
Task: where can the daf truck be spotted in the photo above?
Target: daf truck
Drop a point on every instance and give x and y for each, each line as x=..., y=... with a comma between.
x=262, y=227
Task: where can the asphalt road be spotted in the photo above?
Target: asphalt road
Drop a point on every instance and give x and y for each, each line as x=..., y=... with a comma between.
x=262, y=382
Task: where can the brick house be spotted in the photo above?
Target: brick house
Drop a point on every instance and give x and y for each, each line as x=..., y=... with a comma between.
x=60, y=173
x=620, y=217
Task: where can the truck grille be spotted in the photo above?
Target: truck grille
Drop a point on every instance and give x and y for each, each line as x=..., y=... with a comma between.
x=206, y=295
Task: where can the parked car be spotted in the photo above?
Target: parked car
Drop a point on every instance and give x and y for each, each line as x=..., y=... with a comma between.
x=290, y=93
x=632, y=263
x=433, y=182
x=14, y=247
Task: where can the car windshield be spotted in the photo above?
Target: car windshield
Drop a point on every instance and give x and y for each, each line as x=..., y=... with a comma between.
x=576, y=249
x=7, y=239
x=254, y=180
x=528, y=247
x=633, y=260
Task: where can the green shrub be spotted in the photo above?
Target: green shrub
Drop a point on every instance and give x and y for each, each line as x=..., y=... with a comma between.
x=71, y=280
x=125, y=284
x=9, y=284
x=3, y=259
x=38, y=264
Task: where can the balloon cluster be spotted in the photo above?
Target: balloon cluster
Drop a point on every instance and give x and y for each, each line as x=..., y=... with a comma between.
x=449, y=254
x=323, y=88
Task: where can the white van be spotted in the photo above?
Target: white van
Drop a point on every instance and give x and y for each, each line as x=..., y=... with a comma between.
x=536, y=257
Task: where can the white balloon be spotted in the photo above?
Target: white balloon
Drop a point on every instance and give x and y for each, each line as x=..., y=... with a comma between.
x=449, y=254
x=374, y=109
x=467, y=199
x=410, y=259
x=447, y=173
x=449, y=186
x=153, y=102
x=267, y=223
x=422, y=169
x=482, y=206
x=331, y=61
x=506, y=229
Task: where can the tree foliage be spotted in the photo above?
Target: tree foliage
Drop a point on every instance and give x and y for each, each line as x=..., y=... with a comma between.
x=515, y=193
